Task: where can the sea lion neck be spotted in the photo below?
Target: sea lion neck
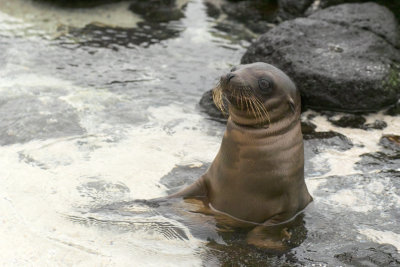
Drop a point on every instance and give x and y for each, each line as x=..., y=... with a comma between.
x=280, y=120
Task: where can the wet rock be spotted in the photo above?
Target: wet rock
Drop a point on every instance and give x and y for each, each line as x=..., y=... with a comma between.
x=387, y=159
x=391, y=142
x=325, y=59
x=369, y=16
x=321, y=4
x=370, y=255
x=349, y=121
x=27, y=118
x=212, y=9
x=98, y=35
x=308, y=127
x=256, y=15
x=356, y=121
x=378, y=124
x=322, y=140
x=207, y=105
x=158, y=10
x=250, y=10
x=394, y=110
x=289, y=9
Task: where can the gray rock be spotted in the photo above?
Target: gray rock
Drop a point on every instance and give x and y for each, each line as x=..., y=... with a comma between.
x=336, y=66
x=289, y=9
x=320, y=4
x=257, y=15
x=394, y=110
x=349, y=121
x=386, y=159
x=158, y=10
x=207, y=105
x=380, y=21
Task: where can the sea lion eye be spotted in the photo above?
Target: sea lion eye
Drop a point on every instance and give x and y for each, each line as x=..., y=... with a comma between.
x=265, y=85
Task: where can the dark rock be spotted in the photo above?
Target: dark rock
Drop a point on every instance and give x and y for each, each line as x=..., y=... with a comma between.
x=357, y=121
x=207, y=105
x=394, y=110
x=349, y=121
x=157, y=10
x=335, y=66
x=250, y=10
x=381, y=21
x=391, y=142
x=289, y=9
x=98, y=35
x=256, y=15
x=370, y=255
x=321, y=140
x=387, y=159
x=212, y=10
x=321, y=4
x=308, y=127
x=378, y=124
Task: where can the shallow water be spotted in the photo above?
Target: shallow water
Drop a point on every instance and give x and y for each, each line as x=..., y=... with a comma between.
x=96, y=116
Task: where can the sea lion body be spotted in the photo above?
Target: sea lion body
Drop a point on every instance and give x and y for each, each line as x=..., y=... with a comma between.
x=258, y=173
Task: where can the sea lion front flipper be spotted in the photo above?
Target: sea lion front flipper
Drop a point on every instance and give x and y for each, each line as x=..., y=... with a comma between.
x=197, y=189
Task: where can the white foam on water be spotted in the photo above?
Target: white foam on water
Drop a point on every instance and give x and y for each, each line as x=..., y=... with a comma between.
x=37, y=190
x=361, y=198
x=382, y=237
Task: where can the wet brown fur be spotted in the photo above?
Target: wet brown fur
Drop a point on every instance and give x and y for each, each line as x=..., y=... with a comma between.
x=258, y=173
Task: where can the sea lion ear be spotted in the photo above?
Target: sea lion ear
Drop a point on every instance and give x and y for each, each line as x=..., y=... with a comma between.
x=291, y=104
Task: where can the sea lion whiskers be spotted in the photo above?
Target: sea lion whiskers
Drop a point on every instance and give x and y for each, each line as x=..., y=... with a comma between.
x=263, y=109
x=243, y=97
x=218, y=98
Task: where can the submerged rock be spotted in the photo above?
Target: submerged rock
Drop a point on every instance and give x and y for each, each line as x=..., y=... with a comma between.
x=346, y=64
x=207, y=105
x=349, y=121
x=158, y=10
x=386, y=159
x=370, y=255
x=355, y=121
x=321, y=140
x=289, y=9
x=27, y=118
x=256, y=15
x=99, y=35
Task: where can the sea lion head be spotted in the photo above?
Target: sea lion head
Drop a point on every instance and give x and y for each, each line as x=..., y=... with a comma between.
x=258, y=95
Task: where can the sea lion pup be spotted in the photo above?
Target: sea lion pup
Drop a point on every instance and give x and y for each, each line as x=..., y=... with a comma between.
x=258, y=173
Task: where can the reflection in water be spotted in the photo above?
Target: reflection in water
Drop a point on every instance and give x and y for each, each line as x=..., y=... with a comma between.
x=145, y=34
